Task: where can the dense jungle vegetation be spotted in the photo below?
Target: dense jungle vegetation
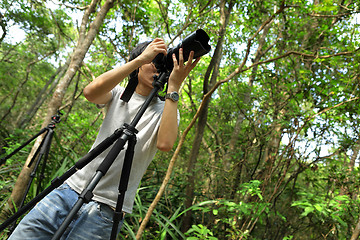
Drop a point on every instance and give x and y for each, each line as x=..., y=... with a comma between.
x=269, y=138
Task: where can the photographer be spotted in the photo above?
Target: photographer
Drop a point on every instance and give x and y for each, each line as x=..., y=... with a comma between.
x=157, y=129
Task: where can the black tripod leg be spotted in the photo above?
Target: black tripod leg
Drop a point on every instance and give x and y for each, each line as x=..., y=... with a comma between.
x=43, y=150
x=55, y=183
x=124, y=180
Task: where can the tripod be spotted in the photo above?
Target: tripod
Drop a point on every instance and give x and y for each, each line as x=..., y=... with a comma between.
x=41, y=153
x=126, y=133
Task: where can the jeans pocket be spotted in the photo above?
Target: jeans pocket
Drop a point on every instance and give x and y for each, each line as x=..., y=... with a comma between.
x=106, y=212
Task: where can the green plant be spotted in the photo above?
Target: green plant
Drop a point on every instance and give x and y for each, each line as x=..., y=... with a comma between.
x=199, y=232
x=324, y=209
x=160, y=226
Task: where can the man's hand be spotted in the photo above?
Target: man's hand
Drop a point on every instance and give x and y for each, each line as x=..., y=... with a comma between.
x=156, y=47
x=181, y=70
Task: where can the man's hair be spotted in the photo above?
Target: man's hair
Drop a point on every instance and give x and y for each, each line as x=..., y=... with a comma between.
x=137, y=51
x=133, y=76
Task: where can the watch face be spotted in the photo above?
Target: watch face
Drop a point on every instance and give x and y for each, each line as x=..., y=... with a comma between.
x=174, y=96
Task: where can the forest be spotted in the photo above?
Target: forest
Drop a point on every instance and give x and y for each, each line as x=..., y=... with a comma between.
x=268, y=143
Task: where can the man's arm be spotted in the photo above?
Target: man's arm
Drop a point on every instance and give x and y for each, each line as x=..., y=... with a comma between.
x=168, y=129
x=98, y=91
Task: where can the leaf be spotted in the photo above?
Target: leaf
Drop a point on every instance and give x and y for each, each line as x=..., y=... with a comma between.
x=307, y=211
x=318, y=207
x=215, y=212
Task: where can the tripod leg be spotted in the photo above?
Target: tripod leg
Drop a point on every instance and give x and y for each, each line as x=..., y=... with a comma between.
x=44, y=152
x=123, y=184
x=40, y=152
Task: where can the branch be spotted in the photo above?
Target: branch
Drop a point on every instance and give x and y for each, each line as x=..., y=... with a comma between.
x=240, y=70
x=3, y=27
x=189, y=21
x=317, y=114
x=281, y=9
x=330, y=16
x=85, y=20
x=68, y=6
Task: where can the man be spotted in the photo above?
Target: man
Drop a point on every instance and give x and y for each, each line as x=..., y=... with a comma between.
x=157, y=129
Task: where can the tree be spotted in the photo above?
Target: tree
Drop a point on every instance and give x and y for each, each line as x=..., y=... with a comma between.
x=86, y=37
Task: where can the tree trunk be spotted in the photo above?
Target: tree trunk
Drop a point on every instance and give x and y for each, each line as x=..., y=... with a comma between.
x=214, y=68
x=356, y=232
x=84, y=42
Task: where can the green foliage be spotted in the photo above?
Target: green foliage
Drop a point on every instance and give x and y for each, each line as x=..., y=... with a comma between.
x=200, y=232
x=314, y=204
x=161, y=224
x=324, y=204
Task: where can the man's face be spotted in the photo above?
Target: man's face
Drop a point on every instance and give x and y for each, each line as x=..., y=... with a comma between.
x=146, y=73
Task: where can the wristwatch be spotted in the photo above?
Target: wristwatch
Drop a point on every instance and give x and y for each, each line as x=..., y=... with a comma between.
x=174, y=96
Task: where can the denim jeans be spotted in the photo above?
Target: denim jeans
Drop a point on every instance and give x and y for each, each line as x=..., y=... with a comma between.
x=93, y=220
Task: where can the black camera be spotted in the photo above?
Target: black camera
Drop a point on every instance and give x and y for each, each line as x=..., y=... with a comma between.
x=197, y=42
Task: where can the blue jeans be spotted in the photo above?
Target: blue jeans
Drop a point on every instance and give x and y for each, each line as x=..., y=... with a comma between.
x=93, y=220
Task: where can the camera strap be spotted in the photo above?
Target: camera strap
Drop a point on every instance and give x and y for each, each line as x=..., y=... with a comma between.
x=129, y=90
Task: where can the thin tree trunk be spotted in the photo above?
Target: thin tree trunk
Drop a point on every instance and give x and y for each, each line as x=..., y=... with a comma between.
x=356, y=232
x=3, y=26
x=18, y=90
x=190, y=188
x=343, y=190
x=214, y=68
x=73, y=98
x=84, y=42
x=228, y=158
